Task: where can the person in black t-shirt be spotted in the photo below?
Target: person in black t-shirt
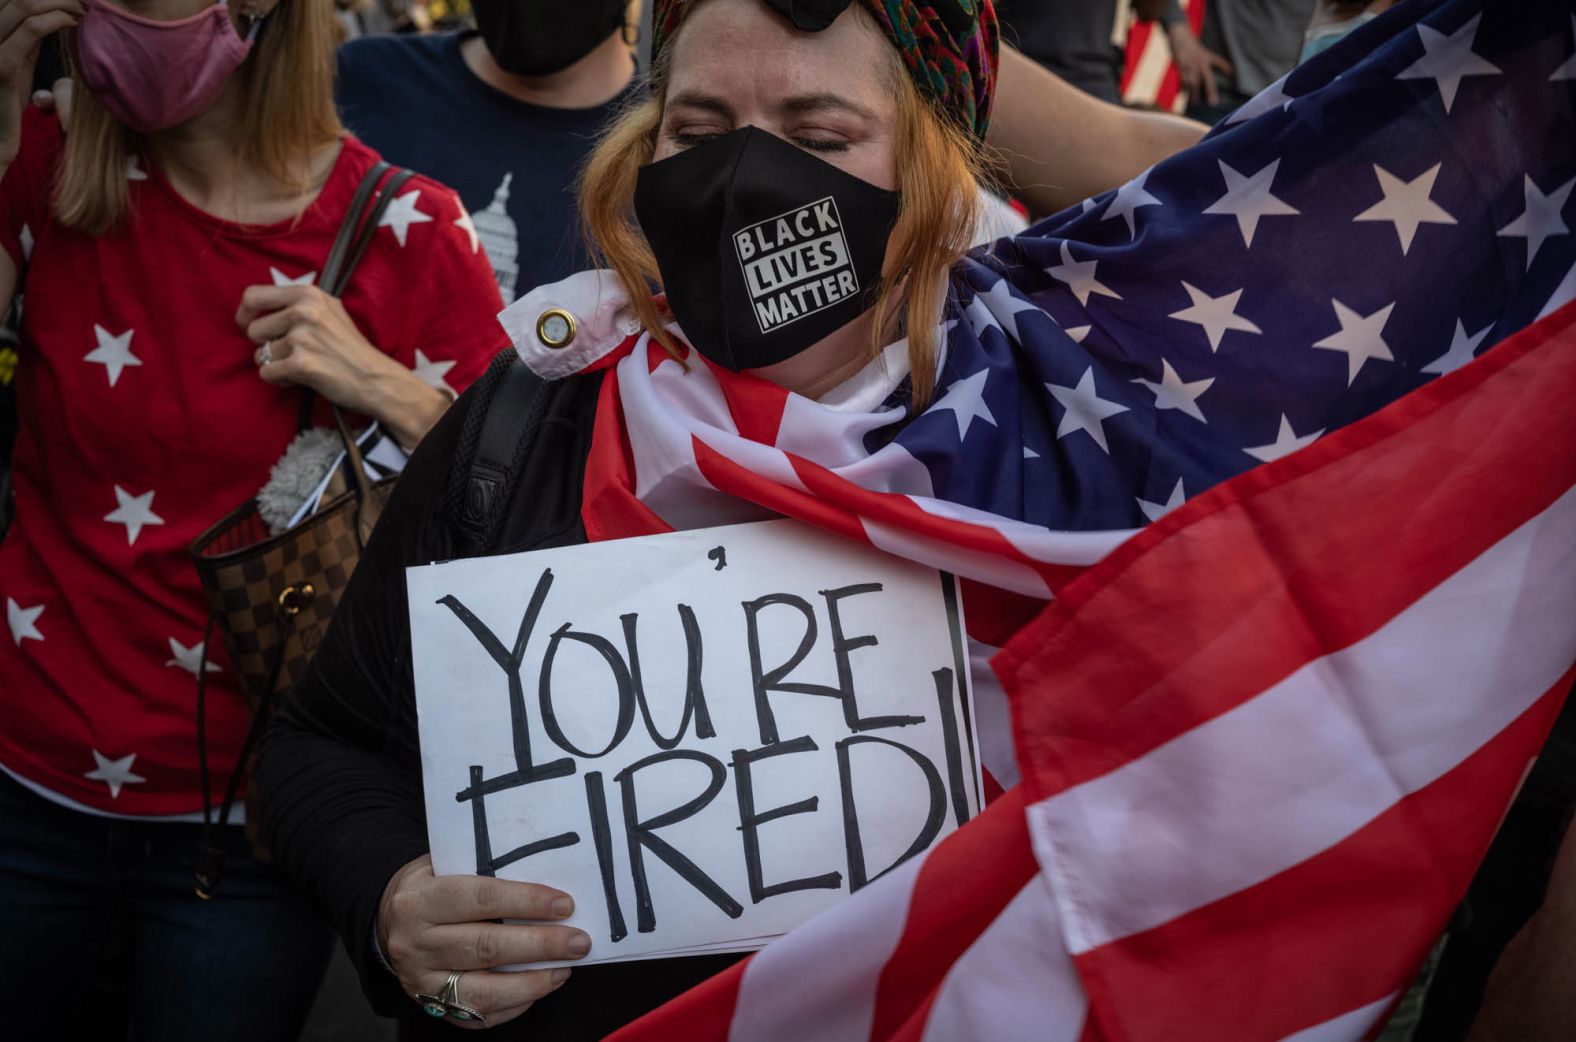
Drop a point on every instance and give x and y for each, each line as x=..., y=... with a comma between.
x=504, y=116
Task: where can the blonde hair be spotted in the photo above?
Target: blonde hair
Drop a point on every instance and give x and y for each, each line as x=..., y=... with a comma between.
x=940, y=167
x=287, y=86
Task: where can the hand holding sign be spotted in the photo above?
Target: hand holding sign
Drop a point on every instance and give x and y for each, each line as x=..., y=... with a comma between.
x=430, y=926
x=705, y=756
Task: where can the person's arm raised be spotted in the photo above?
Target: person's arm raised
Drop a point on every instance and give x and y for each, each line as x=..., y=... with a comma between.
x=1062, y=146
x=23, y=26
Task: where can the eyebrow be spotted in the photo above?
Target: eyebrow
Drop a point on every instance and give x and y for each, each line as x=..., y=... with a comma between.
x=696, y=100
x=806, y=103
x=798, y=105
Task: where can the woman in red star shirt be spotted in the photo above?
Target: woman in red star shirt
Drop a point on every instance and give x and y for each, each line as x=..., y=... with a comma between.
x=168, y=244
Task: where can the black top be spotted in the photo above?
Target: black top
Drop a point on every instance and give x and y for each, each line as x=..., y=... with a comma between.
x=339, y=772
x=514, y=165
x=1072, y=38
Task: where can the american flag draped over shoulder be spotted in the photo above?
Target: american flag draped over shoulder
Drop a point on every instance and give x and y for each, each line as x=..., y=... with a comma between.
x=1264, y=741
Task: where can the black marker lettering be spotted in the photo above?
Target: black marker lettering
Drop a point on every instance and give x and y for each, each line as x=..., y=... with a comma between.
x=486, y=863
x=765, y=682
x=694, y=693
x=642, y=834
x=949, y=739
x=858, y=876
x=750, y=821
x=621, y=679
x=509, y=661
x=602, y=839
x=841, y=646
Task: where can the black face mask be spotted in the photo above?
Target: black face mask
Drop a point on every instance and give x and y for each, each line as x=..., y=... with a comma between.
x=763, y=248
x=541, y=37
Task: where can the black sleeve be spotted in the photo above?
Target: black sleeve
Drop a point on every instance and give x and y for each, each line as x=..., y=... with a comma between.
x=339, y=771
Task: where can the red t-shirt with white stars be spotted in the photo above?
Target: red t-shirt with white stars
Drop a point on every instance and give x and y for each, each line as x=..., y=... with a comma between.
x=143, y=421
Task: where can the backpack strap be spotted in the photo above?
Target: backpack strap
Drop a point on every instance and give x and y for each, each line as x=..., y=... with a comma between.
x=513, y=415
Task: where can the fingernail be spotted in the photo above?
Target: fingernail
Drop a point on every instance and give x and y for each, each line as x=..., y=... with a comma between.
x=578, y=945
x=562, y=907
x=560, y=975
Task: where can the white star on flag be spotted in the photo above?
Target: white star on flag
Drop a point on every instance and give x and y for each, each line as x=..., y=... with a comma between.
x=1359, y=338
x=1286, y=442
x=112, y=352
x=966, y=400
x=114, y=773
x=134, y=512
x=402, y=213
x=1029, y=453
x=1406, y=204
x=1077, y=333
x=1463, y=348
x=432, y=373
x=1080, y=277
x=979, y=315
x=1447, y=60
x=281, y=279
x=1541, y=219
x=1085, y=410
x=27, y=243
x=1172, y=393
x=1249, y=198
x=134, y=171
x=1128, y=200
x=23, y=621
x=1272, y=97
x=1001, y=304
x=1568, y=70
x=1218, y=315
x=189, y=658
x=468, y=226
x=1155, y=511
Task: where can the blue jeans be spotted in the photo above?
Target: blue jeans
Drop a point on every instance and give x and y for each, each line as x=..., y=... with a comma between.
x=101, y=935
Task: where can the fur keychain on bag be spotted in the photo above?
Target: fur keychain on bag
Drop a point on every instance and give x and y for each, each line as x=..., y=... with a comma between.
x=297, y=475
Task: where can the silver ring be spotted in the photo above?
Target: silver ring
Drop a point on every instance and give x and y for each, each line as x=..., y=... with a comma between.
x=266, y=356
x=450, y=997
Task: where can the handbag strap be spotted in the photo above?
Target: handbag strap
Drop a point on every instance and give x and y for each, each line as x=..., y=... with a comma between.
x=355, y=234
x=355, y=216
x=210, y=856
x=337, y=272
x=336, y=254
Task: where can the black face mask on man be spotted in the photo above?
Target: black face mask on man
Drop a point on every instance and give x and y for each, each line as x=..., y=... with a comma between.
x=763, y=248
x=541, y=37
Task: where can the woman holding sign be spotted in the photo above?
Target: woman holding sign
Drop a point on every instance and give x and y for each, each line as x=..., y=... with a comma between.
x=801, y=184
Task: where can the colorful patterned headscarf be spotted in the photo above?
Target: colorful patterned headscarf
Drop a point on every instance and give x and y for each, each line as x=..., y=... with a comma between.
x=949, y=46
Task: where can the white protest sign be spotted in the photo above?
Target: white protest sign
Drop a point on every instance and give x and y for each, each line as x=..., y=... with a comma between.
x=706, y=737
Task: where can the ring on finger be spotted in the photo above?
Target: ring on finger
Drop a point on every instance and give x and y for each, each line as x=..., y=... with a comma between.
x=431, y=1005
x=450, y=997
x=266, y=355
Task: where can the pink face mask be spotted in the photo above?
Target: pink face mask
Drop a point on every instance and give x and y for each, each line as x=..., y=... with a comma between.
x=152, y=75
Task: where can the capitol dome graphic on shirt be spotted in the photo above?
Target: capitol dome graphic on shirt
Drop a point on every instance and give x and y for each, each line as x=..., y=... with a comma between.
x=501, y=239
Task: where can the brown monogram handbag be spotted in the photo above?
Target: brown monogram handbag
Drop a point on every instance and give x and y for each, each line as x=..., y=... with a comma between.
x=272, y=595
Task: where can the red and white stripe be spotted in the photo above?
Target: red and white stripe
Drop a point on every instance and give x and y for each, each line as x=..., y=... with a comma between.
x=1148, y=75
x=713, y=448
x=1264, y=744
